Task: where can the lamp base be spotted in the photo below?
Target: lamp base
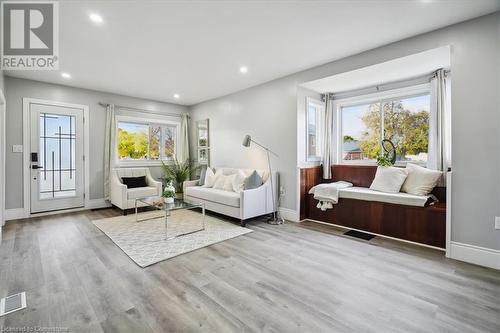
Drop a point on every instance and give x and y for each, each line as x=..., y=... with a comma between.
x=275, y=220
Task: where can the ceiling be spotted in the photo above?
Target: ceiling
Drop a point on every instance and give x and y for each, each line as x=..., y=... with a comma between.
x=394, y=70
x=155, y=49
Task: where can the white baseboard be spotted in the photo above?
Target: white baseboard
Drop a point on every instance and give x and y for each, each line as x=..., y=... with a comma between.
x=289, y=214
x=19, y=213
x=97, y=203
x=475, y=255
x=14, y=214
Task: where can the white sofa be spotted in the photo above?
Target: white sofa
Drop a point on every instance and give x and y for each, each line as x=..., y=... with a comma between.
x=123, y=197
x=241, y=205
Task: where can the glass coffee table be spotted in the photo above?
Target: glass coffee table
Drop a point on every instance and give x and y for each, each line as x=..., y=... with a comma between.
x=159, y=204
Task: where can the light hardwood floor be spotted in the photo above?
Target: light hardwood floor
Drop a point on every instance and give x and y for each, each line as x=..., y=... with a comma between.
x=290, y=278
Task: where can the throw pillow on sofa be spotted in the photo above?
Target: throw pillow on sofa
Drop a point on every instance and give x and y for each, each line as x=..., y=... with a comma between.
x=203, y=174
x=134, y=182
x=238, y=181
x=220, y=179
x=389, y=179
x=252, y=181
x=420, y=180
x=209, y=178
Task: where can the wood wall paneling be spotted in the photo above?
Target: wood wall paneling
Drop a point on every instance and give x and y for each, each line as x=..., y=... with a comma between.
x=426, y=225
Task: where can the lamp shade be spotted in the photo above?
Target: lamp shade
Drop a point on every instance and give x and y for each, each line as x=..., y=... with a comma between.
x=246, y=141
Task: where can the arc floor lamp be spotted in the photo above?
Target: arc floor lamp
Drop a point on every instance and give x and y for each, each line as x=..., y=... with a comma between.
x=276, y=219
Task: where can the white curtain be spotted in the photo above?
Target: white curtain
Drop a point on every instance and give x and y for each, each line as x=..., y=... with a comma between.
x=109, y=139
x=185, y=136
x=327, y=138
x=440, y=124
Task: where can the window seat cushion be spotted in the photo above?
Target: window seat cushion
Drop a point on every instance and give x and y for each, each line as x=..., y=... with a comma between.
x=364, y=193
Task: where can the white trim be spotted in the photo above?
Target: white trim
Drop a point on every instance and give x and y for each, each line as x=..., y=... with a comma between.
x=3, y=142
x=15, y=214
x=319, y=127
x=18, y=213
x=97, y=203
x=475, y=255
x=448, y=214
x=289, y=214
x=26, y=143
x=375, y=234
x=149, y=122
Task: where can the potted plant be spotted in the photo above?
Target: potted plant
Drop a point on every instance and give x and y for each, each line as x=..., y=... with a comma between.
x=169, y=194
x=384, y=160
x=178, y=172
x=388, y=156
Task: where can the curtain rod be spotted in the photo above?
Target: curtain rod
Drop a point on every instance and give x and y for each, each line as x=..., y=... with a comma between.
x=144, y=110
x=377, y=87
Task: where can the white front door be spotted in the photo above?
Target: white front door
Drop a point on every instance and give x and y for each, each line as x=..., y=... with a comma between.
x=56, y=157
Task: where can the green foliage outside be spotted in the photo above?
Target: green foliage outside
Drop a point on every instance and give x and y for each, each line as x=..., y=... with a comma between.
x=409, y=131
x=132, y=145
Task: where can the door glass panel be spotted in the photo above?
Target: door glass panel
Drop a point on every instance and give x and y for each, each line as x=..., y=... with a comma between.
x=57, y=156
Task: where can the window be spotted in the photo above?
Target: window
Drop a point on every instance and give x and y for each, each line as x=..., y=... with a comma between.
x=146, y=142
x=403, y=119
x=315, y=114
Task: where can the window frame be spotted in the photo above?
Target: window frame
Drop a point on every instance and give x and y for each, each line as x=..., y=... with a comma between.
x=320, y=116
x=379, y=97
x=149, y=122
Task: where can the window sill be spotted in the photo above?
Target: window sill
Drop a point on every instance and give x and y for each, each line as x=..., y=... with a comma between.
x=129, y=164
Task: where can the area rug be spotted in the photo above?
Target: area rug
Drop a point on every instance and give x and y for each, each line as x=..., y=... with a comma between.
x=144, y=241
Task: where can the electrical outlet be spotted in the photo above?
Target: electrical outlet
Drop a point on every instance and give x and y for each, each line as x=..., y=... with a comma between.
x=282, y=191
x=497, y=222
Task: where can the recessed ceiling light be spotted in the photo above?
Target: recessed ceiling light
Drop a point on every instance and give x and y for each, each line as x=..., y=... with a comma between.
x=176, y=96
x=243, y=69
x=66, y=75
x=96, y=18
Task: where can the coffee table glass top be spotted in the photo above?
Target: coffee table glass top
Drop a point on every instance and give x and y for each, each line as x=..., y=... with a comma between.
x=159, y=203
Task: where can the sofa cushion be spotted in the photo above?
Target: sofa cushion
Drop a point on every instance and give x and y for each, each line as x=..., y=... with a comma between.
x=141, y=192
x=210, y=194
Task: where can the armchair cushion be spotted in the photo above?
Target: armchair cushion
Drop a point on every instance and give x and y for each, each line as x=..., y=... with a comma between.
x=133, y=182
x=141, y=192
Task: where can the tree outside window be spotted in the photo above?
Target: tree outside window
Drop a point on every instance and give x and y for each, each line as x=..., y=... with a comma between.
x=405, y=123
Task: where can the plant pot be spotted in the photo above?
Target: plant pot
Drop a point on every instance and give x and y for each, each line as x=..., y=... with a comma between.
x=169, y=200
x=179, y=195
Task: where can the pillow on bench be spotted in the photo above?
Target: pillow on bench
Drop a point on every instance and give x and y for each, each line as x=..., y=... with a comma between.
x=420, y=180
x=389, y=179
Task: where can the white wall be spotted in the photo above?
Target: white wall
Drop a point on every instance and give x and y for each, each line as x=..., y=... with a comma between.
x=19, y=88
x=268, y=112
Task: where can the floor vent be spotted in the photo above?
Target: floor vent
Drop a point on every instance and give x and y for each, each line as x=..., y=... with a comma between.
x=359, y=234
x=12, y=303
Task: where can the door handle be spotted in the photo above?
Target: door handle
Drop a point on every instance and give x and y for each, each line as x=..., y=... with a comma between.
x=37, y=167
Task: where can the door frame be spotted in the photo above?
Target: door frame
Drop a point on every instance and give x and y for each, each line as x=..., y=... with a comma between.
x=27, y=144
x=3, y=146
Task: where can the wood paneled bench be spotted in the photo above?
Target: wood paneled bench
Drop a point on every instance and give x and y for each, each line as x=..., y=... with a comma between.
x=426, y=225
